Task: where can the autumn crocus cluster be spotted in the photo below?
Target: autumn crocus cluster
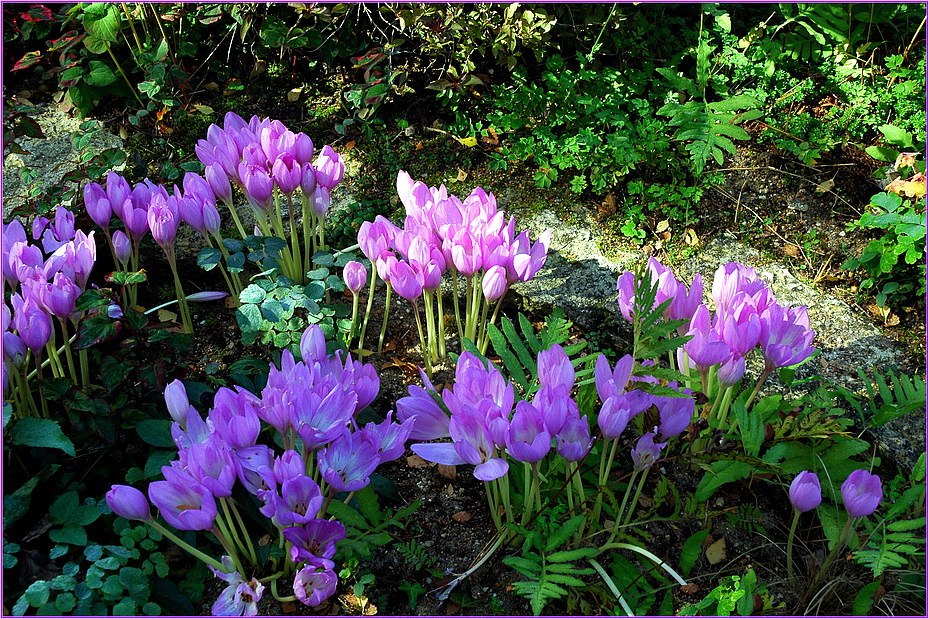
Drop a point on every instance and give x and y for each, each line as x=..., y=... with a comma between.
x=267, y=162
x=46, y=277
x=311, y=404
x=747, y=316
x=471, y=238
x=150, y=208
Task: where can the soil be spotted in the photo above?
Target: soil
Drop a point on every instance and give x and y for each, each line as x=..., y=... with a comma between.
x=777, y=207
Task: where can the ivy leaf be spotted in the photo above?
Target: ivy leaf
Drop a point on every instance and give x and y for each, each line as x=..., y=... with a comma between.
x=41, y=433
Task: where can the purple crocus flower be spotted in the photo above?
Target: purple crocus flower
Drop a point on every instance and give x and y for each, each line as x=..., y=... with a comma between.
x=303, y=148
x=210, y=464
x=674, y=413
x=646, y=451
x=163, y=222
x=177, y=402
x=329, y=168
x=218, y=181
x=348, y=461
x=118, y=190
x=33, y=326
x=320, y=414
x=239, y=598
x=355, y=275
x=258, y=185
x=573, y=441
x=286, y=172
x=526, y=259
x=786, y=338
x=182, y=502
x=407, y=280
x=862, y=493
x=122, y=246
x=731, y=371
x=683, y=302
x=527, y=440
x=625, y=286
x=313, y=344
x=60, y=296
x=706, y=348
x=465, y=251
x=128, y=502
x=235, y=418
x=730, y=279
x=555, y=369
x=389, y=437
x=248, y=462
x=314, y=587
x=299, y=502
x=805, y=492
x=315, y=542
x=429, y=420
x=320, y=200
x=472, y=444
x=98, y=205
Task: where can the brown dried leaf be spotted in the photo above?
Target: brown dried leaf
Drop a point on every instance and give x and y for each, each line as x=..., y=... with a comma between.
x=264, y=541
x=663, y=225
x=448, y=471
x=825, y=186
x=716, y=551
x=294, y=93
x=791, y=250
x=690, y=237
x=452, y=608
x=608, y=206
x=690, y=589
x=892, y=320
x=462, y=176
x=416, y=462
x=289, y=608
x=350, y=145
x=461, y=517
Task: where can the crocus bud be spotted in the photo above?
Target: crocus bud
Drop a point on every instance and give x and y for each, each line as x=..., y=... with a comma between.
x=176, y=399
x=329, y=168
x=313, y=344
x=98, y=205
x=14, y=350
x=862, y=493
x=219, y=182
x=122, y=245
x=320, y=200
x=286, y=172
x=805, y=492
x=303, y=148
x=355, y=275
x=60, y=296
x=308, y=181
x=162, y=222
x=128, y=502
x=494, y=283
x=33, y=326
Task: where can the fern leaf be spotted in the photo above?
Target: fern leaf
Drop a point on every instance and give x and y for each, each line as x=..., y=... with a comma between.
x=563, y=533
x=510, y=362
x=907, y=525
x=529, y=334
x=518, y=346
x=564, y=556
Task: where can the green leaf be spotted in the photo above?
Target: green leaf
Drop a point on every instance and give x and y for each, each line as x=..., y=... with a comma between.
x=720, y=473
x=897, y=136
x=73, y=534
x=691, y=551
x=865, y=598
x=209, y=257
x=37, y=593
x=100, y=74
x=41, y=433
x=103, y=26
x=882, y=153
x=16, y=505
x=563, y=533
x=155, y=432
x=65, y=602
x=252, y=294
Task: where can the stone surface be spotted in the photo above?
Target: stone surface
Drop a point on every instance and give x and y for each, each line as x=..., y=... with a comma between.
x=579, y=279
x=52, y=157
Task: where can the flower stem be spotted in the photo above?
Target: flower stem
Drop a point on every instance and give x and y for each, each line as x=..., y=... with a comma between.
x=190, y=549
x=427, y=358
x=380, y=340
x=364, y=327
x=790, y=545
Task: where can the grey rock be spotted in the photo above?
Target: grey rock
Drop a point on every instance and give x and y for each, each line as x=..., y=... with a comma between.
x=51, y=157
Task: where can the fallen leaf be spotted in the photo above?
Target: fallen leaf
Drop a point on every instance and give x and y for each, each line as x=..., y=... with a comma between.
x=665, y=236
x=493, y=138
x=717, y=551
x=662, y=226
x=469, y=142
x=452, y=608
x=448, y=471
x=289, y=607
x=264, y=541
x=416, y=462
x=690, y=237
x=791, y=250
x=825, y=186
x=294, y=93
x=211, y=86
x=608, y=206
x=350, y=145
x=231, y=302
x=690, y=589
x=461, y=517
x=419, y=146
x=390, y=346
x=645, y=501
x=892, y=320
x=462, y=176
x=164, y=315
